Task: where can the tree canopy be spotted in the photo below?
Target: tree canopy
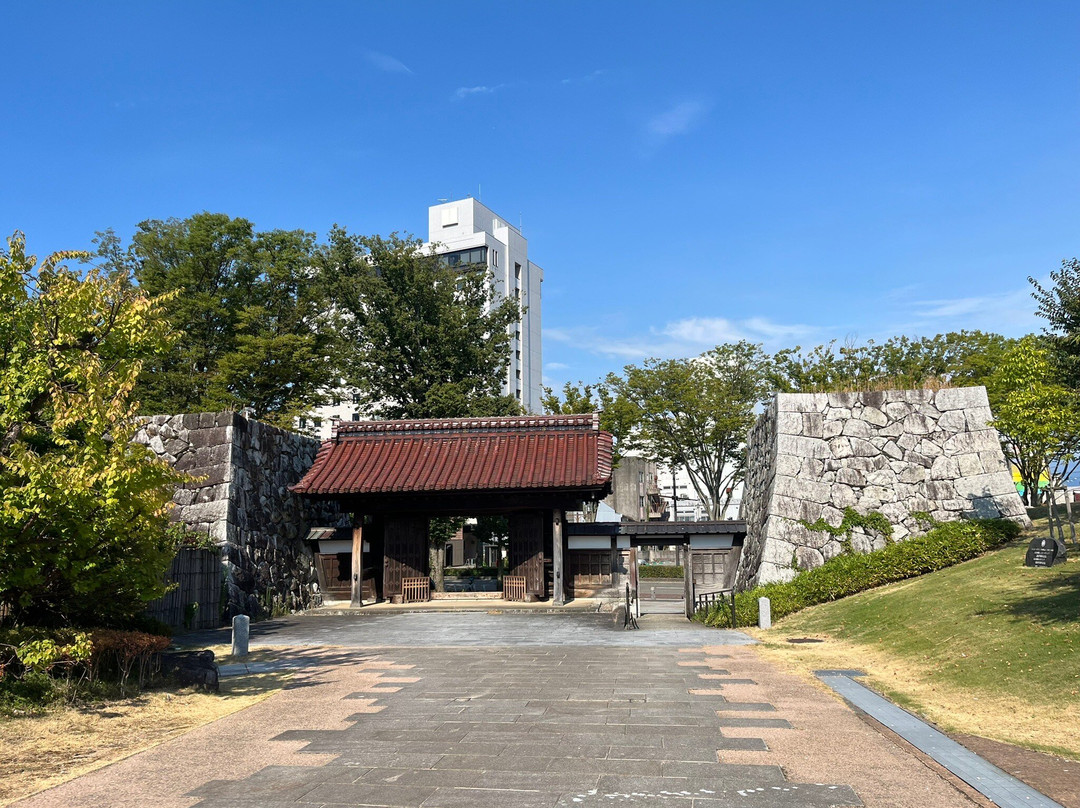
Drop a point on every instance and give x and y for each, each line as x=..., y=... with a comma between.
x=250, y=311
x=1059, y=304
x=418, y=338
x=1037, y=417
x=83, y=528
x=957, y=359
x=696, y=413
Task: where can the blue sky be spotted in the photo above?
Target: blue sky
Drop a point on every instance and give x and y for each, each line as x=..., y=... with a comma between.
x=686, y=173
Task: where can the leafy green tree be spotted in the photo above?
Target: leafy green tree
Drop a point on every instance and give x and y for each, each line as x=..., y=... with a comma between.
x=958, y=358
x=83, y=527
x=1060, y=305
x=250, y=308
x=1037, y=417
x=696, y=413
x=418, y=338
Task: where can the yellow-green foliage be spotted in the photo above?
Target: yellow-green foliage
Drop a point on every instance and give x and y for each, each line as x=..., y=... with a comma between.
x=82, y=509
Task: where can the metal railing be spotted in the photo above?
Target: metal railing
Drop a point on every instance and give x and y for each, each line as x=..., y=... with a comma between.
x=703, y=600
x=514, y=587
x=415, y=590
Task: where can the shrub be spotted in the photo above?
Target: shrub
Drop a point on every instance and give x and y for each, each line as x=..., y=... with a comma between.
x=116, y=654
x=471, y=572
x=660, y=571
x=942, y=546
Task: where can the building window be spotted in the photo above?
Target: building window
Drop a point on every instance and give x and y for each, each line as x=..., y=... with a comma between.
x=356, y=416
x=517, y=355
x=519, y=394
x=519, y=375
x=303, y=423
x=464, y=258
x=517, y=272
x=318, y=423
x=355, y=398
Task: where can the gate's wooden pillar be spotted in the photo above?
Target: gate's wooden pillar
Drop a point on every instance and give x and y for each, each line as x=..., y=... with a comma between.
x=557, y=534
x=358, y=561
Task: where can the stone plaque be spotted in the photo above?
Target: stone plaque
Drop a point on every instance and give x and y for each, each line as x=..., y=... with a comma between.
x=1045, y=552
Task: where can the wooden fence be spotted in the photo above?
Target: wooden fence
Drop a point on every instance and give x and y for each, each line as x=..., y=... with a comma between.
x=195, y=601
x=415, y=590
x=514, y=587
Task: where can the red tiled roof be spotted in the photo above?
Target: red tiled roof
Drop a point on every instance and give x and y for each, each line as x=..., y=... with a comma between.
x=534, y=452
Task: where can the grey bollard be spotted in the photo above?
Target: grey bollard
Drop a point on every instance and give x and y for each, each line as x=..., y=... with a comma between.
x=764, y=613
x=240, y=626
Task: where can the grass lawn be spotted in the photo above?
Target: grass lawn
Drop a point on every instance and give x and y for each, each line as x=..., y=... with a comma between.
x=988, y=647
x=45, y=750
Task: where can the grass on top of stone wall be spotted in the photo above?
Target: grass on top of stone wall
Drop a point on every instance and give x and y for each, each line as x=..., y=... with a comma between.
x=942, y=546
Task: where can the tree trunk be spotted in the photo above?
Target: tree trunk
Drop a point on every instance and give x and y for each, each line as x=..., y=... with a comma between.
x=437, y=561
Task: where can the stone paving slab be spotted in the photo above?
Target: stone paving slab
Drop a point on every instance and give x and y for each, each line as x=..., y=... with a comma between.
x=443, y=723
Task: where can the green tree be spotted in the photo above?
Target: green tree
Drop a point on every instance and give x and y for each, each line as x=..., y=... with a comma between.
x=1037, y=418
x=250, y=309
x=958, y=358
x=1060, y=306
x=418, y=338
x=696, y=413
x=83, y=526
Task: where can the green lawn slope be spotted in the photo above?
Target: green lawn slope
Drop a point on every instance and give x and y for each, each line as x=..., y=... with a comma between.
x=987, y=647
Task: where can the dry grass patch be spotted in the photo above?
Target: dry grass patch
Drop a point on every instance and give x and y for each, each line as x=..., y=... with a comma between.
x=46, y=750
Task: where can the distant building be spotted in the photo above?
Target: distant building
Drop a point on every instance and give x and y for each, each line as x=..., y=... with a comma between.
x=688, y=506
x=466, y=232
x=634, y=491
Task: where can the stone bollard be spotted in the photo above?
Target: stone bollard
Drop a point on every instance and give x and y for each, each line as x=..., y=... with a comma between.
x=764, y=613
x=240, y=627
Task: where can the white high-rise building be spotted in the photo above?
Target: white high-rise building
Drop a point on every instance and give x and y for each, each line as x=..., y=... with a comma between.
x=466, y=232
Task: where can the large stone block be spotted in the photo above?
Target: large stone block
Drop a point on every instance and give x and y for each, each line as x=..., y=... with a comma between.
x=960, y=398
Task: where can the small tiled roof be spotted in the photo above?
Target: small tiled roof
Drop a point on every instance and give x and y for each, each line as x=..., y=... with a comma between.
x=526, y=453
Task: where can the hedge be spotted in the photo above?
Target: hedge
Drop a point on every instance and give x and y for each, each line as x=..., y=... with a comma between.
x=660, y=571
x=942, y=546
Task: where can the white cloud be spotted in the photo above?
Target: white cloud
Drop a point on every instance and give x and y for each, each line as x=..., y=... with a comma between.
x=584, y=79
x=679, y=338
x=386, y=63
x=556, y=366
x=676, y=120
x=469, y=92
x=1011, y=313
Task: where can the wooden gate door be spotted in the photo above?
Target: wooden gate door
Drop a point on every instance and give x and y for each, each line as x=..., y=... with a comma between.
x=713, y=569
x=405, y=540
x=527, y=550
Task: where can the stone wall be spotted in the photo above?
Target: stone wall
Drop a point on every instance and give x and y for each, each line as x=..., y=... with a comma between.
x=243, y=504
x=899, y=453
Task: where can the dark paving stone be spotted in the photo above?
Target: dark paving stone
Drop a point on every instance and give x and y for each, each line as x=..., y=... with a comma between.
x=736, y=721
x=746, y=707
x=531, y=725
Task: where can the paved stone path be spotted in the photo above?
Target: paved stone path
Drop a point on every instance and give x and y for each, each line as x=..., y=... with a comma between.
x=470, y=629
x=497, y=710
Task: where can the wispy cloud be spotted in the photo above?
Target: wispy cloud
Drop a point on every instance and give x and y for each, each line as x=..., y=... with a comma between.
x=676, y=120
x=679, y=338
x=556, y=366
x=1005, y=312
x=587, y=78
x=386, y=63
x=470, y=92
